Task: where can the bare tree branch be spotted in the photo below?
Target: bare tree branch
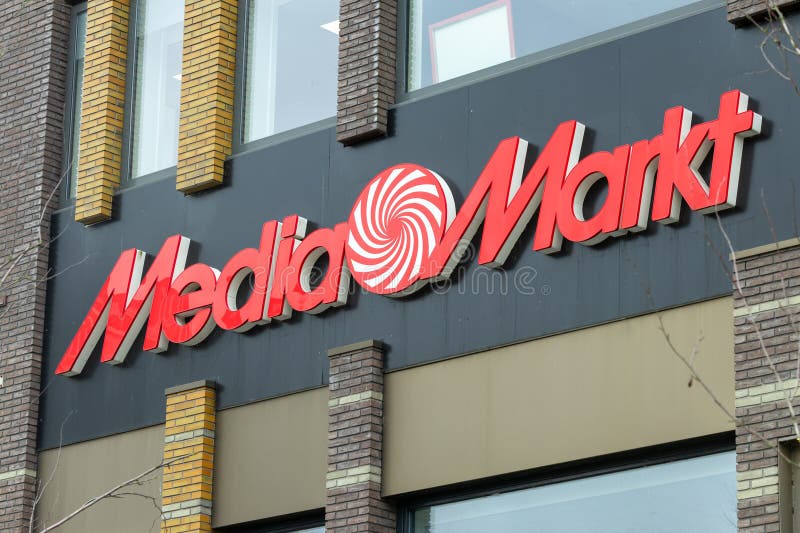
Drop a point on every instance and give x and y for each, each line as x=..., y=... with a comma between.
x=115, y=491
x=42, y=488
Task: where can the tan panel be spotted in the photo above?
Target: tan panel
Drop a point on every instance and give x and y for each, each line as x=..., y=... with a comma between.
x=271, y=458
x=590, y=392
x=87, y=469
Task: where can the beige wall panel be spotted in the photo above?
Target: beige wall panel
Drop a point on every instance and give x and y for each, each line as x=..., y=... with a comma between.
x=87, y=469
x=589, y=392
x=271, y=458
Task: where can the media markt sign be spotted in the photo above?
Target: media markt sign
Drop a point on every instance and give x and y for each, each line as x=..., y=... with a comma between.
x=404, y=232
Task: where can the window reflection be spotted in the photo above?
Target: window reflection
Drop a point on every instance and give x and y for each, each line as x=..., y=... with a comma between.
x=450, y=38
x=690, y=496
x=78, y=53
x=159, y=42
x=291, y=64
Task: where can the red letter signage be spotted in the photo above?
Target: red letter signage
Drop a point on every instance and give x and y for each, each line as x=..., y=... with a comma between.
x=404, y=232
x=123, y=304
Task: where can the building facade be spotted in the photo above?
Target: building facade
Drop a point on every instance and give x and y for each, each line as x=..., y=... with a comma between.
x=421, y=266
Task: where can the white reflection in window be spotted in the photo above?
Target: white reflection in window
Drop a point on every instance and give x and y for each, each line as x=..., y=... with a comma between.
x=291, y=64
x=78, y=51
x=690, y=496
x=451, y=38
x=456, y=52
x=159, y=43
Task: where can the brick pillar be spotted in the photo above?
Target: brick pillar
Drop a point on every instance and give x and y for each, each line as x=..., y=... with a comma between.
x=189, y=445
x=367, y=68
x=102, y=109
x=33, y=65
x=770, y=278
x=206, y=123
x=355, y=442
x=741, y=11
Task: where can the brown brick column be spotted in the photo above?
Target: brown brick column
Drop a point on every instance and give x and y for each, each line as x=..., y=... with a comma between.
x=740, y=11
x=367, y=68
x=355, y=442
x=770, y=281
x=33, y=59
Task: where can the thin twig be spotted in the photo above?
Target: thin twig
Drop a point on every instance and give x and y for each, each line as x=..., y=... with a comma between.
x=749, y=318
x=42, y=488
x=112, y=491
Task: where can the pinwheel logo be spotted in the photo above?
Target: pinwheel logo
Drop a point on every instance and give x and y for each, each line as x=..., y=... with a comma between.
x=396, y=223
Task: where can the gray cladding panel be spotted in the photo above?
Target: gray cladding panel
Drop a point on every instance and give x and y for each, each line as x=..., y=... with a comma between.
x=619, y=90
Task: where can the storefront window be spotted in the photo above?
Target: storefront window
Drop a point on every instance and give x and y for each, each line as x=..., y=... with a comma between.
x=78, y=46
x=291, y=527
x=159, y=43
x=689, y=495
x=448, y=39
x=292, y=48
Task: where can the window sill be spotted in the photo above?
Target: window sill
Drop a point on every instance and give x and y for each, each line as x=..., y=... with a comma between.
x=278, y=138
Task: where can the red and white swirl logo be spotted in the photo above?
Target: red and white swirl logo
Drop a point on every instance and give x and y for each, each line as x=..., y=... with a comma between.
x=396, y=223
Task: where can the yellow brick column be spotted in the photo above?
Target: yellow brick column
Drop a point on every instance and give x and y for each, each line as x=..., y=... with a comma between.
x=102, y=109
x=207, y=87
x=189, y=458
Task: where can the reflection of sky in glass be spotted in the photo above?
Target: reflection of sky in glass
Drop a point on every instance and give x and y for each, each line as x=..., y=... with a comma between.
x=312, y=530
x=689, y=496
x=291, y=65
x=532, y=29
x=159, y=40
x=79, y=51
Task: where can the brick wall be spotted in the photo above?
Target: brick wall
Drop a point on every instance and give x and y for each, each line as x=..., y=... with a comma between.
x=367, y=65
x=207, y=86
x=189, y=439
x=33, y=61
x=770, y=280
x=741, y=11
x=355, y=442
x=102, y=109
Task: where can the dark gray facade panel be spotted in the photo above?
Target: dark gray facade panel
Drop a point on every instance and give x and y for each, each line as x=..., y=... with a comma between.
x=619, y=90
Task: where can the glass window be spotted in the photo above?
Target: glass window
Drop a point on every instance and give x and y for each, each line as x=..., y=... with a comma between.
x=159, y=43
x=789, y=485
x=691, y=496
x=73, y=115
x=292, y=48
x=450, y=38
x=285, y=526
x=320, y=529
